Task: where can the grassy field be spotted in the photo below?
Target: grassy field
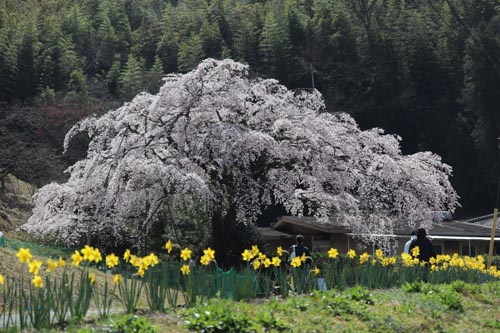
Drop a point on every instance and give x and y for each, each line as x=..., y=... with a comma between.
x=419, y=307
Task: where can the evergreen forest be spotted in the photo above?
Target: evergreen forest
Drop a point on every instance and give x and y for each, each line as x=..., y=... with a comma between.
x=426, y=70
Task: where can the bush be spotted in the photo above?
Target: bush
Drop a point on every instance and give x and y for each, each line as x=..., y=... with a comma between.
x=132, y=324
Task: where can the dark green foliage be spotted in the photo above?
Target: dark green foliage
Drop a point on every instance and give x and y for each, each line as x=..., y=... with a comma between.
x=218, y=317
x=131, y=80
x=131, y=324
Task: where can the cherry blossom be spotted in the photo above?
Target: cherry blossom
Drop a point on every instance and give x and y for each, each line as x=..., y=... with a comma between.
x=239, y=144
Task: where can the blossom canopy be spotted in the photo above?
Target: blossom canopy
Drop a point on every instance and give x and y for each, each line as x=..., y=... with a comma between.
x=240, y=144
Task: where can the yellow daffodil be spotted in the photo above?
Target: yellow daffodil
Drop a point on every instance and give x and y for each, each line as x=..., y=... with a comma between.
x=168, y=246
x=247, y=255
x=112, y=260
x=37, y=281
x=296, y=262
x=415, y=252
x=205, y=260
x=134, y=261
x=92, y=278
x=51, y=265
x=185, y=270
x=267, y=262
x=209, y=253
x=303, y=257
x=186, y=254
x=255, y=250
x=88, y=253
x=262, y=256
x=256, y=264
x=126, y=255
x=363, y=258
x=34, y=266
x=24, y=255
x=117, y=278
x=77, y=258
x=276, y=261
x=333, y=253
x=152, y=259
x=385, y=262
x=351, y=254
x=379, y=254
x=141, y=272
x=316, y=271
x=97, y=255
x=279, y=251
x=61, y=262
x=2, y=279
x=144, y=263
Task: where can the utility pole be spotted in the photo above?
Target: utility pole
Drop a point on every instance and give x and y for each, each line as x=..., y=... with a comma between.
x=492, y=240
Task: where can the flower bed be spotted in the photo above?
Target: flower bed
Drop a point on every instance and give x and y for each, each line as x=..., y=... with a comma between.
x=40, y=300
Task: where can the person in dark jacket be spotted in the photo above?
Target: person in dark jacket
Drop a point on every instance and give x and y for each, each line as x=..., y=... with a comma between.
x=426, y=249
x=299, y=249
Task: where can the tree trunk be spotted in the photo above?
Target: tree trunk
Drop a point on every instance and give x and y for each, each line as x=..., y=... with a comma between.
x=225, y=240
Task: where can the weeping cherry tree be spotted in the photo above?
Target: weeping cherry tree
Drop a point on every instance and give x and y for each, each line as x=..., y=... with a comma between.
x=238, y=144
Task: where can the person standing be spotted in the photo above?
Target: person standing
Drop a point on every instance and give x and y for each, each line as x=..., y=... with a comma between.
x=413, y=237
x=426, y=249
x=299, y=248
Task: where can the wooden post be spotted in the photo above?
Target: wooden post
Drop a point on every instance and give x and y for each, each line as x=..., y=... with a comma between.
x=492, y=240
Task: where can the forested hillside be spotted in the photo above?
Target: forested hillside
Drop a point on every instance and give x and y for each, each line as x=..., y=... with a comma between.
x=428, y=71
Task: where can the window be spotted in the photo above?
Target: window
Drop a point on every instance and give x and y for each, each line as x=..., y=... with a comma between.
x=465, y=251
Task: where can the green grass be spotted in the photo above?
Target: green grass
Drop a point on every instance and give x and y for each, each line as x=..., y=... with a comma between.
x=456, y=307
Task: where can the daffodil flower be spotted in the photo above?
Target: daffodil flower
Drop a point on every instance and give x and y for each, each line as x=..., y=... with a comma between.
x=112, y=260
x=34, y=266
x=51, y=265
x=185, y=270
x=186, y=254
x=296, y=262
x=333, y=253
x=276, y=261
x=24, y=255
x=168, y=246
x=37, y=281
x=205, y=260
x=126, y=255
x=209, y=253
x=77, y=258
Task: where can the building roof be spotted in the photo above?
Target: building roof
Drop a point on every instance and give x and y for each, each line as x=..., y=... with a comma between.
x=453, y=228
x=268, y=233
x=485, y=221
x=308, y=225
x=289, y=226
